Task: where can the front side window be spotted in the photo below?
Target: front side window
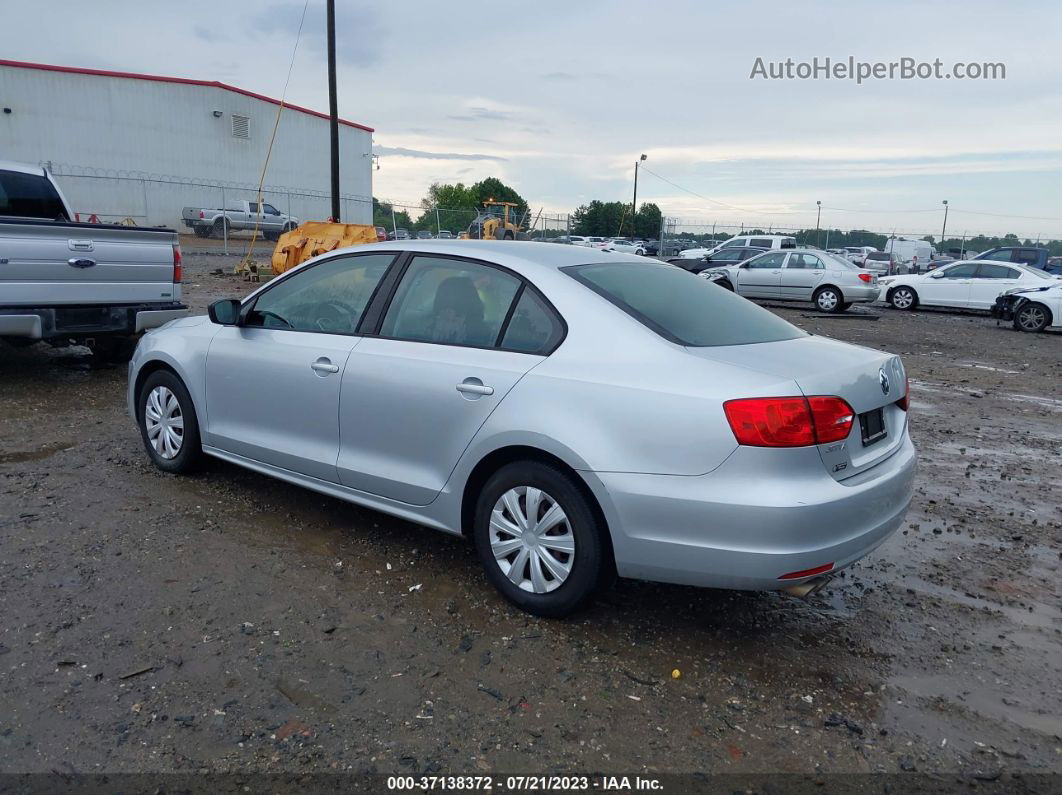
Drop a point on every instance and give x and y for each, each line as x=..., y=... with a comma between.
x=270, y=209
x=681, y=307
x=961, y=271
x=729, y=255
x=451, y=301
x=738, y=242
x=768, y=261
x=329, y=297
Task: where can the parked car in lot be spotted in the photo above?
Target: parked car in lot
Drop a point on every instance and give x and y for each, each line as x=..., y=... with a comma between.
x=577, y=240
x=381, y=234
x=1028, y=256
x=969, y=284
x=755, y=241
x=831, y=283
x=1031, y=308
x=452, y=392
x=626, y=247
x=856, y=254
x=241, y=216
x=722, y=258
x=424, y=234
x=62, y=281
x=445, y=234
x=398, y=234
x=880, y=262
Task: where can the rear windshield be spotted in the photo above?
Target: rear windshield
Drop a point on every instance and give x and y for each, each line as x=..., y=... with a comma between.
x=29, y=196
x=682, y=307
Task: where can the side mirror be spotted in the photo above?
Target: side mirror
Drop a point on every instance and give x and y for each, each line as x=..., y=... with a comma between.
x=225, y=312
x=744, y=264
x=936, y=275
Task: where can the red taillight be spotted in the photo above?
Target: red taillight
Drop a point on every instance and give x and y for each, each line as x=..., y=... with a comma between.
x=832, y=418
x=905, y=402
x=865, y=277
x=201, y=214
x=789, y=421
x=177, y=269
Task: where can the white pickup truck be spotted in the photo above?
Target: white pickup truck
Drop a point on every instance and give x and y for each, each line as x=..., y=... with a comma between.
x=242, y=215
x=65, y=282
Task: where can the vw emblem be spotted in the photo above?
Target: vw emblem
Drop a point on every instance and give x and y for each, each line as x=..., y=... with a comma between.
x=883, y=379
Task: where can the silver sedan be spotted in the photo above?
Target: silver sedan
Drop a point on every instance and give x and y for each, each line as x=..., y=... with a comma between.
x=577, y=414
x=829, y=281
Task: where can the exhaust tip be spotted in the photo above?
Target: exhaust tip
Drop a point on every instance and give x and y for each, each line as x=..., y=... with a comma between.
x=808, y=588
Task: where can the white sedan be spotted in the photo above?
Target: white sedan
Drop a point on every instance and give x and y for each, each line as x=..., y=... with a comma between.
x=967, y=284
x=626, y=247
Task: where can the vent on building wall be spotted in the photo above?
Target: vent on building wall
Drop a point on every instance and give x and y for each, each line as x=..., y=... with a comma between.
x=241, y=126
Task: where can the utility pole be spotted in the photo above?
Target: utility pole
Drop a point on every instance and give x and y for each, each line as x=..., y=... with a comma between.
x=333, y=107
x=634, y=202
x=945, y=226
x=818, y=217
x=438, y=224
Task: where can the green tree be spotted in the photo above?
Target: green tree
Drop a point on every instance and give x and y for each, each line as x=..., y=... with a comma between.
x=456, y=205
x=600, y=219
x=494, y=189
x=647, y=221
x=381, y=216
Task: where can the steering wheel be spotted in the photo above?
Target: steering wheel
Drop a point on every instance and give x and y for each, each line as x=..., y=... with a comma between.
x=332, y=315
x=266, y=313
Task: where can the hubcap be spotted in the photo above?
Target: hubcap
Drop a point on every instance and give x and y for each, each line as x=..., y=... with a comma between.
x=1032, y=317
x=164, y=422
x=901, y=299
x=531, y=539
x=827, y=299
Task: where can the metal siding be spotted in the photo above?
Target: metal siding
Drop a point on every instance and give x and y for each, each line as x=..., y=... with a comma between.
x=123, y=126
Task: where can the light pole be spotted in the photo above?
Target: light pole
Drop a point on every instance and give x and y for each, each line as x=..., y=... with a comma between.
x=818, y=217
x=333, y=112
x=634, y=203
x=944, y=227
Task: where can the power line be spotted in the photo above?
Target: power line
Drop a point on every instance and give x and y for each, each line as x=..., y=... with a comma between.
x=721, y=203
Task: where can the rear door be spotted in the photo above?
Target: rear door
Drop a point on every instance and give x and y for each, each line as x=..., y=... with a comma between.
x=801, y=276
x=761, y=276
x=273, y=383
x=991, y=279
x=456, y=337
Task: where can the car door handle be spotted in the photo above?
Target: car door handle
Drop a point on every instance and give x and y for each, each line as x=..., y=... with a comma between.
x=777, y=273
x=323, y=367
x=474, y=387
x=80, y=262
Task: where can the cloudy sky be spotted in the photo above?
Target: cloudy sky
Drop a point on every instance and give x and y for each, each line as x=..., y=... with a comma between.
x=560, y=98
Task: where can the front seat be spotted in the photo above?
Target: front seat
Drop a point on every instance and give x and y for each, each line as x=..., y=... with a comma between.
x=457, y=316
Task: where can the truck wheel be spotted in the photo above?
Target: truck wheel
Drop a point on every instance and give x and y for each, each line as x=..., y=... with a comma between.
x=168, y=425
x=220, y=228
x=1032, y=318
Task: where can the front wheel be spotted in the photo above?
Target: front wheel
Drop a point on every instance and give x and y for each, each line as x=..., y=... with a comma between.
x=829, y=299
x=168, y=425
x=1032, y=318
x=903, y=298
x=538, y=539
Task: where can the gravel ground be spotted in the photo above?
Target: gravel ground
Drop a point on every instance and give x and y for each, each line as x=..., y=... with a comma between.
x=228, y=622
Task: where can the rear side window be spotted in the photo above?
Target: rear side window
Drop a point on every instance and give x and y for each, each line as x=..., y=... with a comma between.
x=989, y=270
x=29, y=196
x=450, y=301
x=682, y=307
x=761, y=242
x=533, y=328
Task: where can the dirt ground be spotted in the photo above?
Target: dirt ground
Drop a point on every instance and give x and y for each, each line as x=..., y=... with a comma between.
x=228, y=622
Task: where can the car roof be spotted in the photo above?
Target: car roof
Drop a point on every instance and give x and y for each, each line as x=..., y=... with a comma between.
x=22, y=168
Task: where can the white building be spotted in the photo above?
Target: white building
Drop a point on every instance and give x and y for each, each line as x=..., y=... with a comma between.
x=138, y=146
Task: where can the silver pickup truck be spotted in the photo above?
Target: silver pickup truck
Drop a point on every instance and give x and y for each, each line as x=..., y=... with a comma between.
x=242, y=215
x=65, y=282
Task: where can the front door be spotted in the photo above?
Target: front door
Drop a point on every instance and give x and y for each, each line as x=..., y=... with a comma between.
x=948, y=286
x=760, y=277
x=273, y=382
x=448, y=352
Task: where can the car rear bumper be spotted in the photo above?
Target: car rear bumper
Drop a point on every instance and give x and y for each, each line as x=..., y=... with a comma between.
x=860, y=295
x=80, y=322
x=751, y=521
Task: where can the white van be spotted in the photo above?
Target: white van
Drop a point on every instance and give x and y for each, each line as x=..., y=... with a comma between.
x=905, y=251
x=744, y=241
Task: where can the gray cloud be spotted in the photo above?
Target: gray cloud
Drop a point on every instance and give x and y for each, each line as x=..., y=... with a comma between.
x=560, y=76
x=483, y=114
x=360, y=34
x=401, y=151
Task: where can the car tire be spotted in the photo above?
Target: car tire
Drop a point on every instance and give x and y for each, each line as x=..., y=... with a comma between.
x=542, y=579
x=1032, y=317
x=904, y=298
x=828, y=299
x=154, y=409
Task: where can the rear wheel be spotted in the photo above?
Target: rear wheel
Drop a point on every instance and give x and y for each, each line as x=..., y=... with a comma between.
x=1032, y=317
x=168, y=425
x=903, y=298
x=538, y=539
x=220, y=228
x=829, y=299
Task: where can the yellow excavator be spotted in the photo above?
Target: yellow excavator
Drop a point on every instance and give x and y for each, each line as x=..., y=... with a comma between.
x=496, y=221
